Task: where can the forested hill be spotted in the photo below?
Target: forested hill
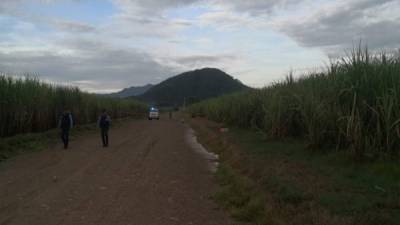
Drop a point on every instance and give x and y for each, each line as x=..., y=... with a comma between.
x=193, y=86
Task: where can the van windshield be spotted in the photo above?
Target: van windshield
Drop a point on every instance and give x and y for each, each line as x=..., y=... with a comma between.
x=153, y=110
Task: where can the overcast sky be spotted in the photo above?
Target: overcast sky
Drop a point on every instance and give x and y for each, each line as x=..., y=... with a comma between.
x=106, y=45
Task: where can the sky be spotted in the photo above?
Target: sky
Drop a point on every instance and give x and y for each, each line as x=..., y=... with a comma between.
x=106, y=45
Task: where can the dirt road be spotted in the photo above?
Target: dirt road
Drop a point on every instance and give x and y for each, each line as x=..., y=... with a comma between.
x=149, y=175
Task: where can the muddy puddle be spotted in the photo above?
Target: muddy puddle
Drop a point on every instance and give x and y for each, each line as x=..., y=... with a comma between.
x=211, y=158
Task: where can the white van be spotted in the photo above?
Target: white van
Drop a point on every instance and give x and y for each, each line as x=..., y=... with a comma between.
x=154, y=114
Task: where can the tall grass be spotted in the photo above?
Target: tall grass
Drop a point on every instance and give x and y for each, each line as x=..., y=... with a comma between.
x=354, y=105
x=29, y=105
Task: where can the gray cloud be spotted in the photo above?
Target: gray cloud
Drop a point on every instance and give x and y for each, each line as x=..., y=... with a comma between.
x=343, y=26
x=331, y=25
x=196, y=61
x=7, y=5
x=92, y=67
x=128, y=25
x=108, y=55
x=257, y=7
x=72, y=26
x=12, y=8
x=149, y=7
x=92, y=57
x=152, y=4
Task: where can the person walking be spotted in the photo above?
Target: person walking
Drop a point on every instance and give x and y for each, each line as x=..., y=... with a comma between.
x=104, y=123
x=65, y=124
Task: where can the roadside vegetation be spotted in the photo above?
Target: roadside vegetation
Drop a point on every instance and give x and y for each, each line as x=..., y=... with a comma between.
x=30, y=109
x=32, y=142
x=354, y=106
x=281, y=182
x=320, y=149
x=29, y=105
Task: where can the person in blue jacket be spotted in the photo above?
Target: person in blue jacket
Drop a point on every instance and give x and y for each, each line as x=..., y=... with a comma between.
x=104, y=124
x=65, y=124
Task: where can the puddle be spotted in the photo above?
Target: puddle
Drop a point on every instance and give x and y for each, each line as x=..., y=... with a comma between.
x=211, y=158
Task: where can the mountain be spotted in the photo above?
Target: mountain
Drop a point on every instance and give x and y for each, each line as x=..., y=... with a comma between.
x=192, y=86
x=129, y=92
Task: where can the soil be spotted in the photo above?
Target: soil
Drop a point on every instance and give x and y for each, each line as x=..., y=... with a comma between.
x=149, y=175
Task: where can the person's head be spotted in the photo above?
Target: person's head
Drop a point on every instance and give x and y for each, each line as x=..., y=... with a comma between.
x=104, y=111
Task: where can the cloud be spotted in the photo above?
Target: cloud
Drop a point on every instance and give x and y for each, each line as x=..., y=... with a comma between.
x=226, y=20
x=198, y=61
x=7, y=5
x=149, y=7
x=142, y=41
x=341, y=25
x=108, y=66
x=72, y=26
x=256, y=7
x=155, y=4
x=330, y=25
x=90, y=56
x=12, y=8
x=129, y=25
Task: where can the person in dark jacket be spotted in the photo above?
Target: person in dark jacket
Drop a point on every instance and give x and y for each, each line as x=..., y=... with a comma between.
x=65, y=124
x=104, y=124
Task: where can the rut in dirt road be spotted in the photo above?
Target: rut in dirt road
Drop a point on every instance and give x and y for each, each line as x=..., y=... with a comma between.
x=149, y=175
